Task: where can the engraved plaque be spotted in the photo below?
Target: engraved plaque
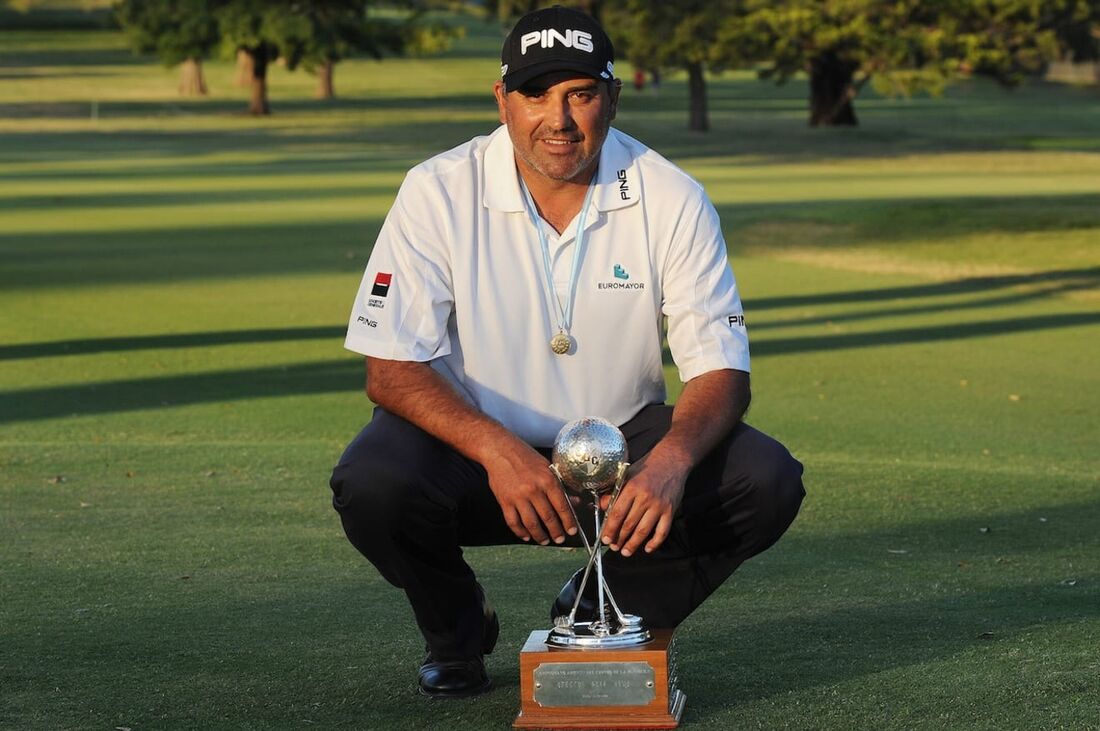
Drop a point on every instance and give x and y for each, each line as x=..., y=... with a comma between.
x=594, y=684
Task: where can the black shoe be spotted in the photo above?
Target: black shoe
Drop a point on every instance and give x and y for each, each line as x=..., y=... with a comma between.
x=587, y=610
x=453, y=679
x=462, y=678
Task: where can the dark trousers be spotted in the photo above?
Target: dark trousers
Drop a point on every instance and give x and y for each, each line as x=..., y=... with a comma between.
x=408, y=502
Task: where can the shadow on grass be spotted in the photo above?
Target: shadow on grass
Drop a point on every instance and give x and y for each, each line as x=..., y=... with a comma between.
x=1015, y=298
x=959, y=559
x=907, y=336
x=207, y=107
x=153, y=255
x=812, y=650
x=242, y=194
x=203, y=252
x=177, y=340
x=344, y=375
x=278, y=628
x=1072, y=278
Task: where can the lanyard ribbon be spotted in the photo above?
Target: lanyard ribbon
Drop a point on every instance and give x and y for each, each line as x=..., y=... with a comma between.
x=565, y=314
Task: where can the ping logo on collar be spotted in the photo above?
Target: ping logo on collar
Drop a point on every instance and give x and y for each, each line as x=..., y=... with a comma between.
x=381, y=284
x=546, y=38
x=620, y=273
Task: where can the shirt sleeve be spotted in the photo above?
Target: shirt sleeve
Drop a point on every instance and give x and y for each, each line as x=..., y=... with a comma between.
x=405, y=299
x=706, y=323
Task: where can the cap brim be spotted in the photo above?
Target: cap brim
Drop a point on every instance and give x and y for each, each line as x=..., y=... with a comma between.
x=518, y=78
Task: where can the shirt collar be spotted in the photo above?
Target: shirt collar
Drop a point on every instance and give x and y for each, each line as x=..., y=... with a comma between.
x=617, y=179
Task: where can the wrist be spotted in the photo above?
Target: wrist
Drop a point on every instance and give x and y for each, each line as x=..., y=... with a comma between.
x=673, y=454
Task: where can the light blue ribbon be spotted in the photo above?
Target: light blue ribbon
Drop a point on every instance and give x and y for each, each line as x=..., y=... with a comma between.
x=565, y=314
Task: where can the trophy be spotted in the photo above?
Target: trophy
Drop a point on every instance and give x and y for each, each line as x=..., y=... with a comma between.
x=608, y=671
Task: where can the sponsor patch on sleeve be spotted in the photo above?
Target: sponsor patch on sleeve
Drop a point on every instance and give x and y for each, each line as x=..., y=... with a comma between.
x=382, y=282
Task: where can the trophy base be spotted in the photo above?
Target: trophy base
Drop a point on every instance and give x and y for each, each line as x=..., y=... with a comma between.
x=598, y=636
x=579, y=688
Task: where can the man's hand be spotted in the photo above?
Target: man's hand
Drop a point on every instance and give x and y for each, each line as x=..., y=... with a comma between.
x=646, y=504
x=533, y=503
x=709, y=407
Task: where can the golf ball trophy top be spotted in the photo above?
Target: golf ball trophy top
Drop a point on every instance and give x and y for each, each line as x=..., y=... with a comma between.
x=607, y=670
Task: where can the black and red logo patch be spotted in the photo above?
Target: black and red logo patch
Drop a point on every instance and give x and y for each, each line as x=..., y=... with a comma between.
x=381, y=284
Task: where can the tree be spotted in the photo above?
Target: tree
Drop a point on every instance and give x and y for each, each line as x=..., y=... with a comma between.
x=335, y=29
x=259, y=27
x=658, y=34
x=1077, y=24
x=318, y=33
x=902, y=47
x=177, y=31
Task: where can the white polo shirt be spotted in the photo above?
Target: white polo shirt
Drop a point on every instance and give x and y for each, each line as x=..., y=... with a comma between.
x=456, y=278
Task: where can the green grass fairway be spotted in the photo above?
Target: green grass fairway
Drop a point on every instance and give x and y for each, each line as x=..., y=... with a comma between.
x=922, y=294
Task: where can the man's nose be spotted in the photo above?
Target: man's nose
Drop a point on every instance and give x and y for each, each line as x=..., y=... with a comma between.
x=560, y=115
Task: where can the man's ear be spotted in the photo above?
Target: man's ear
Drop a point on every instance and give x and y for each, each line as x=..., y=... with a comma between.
x=500, y=94
x=613, y=90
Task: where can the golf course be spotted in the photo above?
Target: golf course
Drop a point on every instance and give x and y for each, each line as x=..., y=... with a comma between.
x=922, y=295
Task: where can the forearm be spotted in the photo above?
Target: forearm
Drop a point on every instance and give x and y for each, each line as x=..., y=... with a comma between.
x=531, y=500
x=418, y=394
x=708, y=408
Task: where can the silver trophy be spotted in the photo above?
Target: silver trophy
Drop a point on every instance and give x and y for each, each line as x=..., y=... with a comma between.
x=590, y=459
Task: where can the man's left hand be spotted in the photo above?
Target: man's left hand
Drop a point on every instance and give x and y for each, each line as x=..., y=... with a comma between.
x=646, y=504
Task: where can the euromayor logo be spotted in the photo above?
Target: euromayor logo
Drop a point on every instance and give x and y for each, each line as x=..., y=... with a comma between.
x=621, y=275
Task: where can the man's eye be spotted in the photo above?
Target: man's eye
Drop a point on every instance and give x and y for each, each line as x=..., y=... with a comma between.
x=583, y=96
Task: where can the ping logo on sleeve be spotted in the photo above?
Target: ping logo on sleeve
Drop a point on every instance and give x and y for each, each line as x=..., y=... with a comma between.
x=381, y=284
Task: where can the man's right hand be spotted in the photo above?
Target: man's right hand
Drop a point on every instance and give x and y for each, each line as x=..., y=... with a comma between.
x=533, y=503
x=530, y=496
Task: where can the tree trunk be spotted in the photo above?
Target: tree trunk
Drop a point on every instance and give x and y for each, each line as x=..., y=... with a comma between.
x=244, y=68
x=832, y=92
x=697, y=104
x=192, y=82
x=257, y=105
x=324, y=81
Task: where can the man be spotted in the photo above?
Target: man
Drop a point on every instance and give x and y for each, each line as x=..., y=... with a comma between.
x=519, y=282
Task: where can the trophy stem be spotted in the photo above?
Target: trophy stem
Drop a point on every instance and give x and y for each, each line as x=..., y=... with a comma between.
x=599, y=568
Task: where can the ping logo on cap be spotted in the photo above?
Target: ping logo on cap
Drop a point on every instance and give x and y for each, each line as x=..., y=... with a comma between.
x=545, y=38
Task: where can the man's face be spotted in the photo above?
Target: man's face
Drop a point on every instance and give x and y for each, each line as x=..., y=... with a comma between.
x=558, y=123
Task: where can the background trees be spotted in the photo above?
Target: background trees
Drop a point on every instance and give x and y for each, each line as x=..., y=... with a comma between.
x=655, y=35
x=176, y=32
x=315, y=34
x=901, y=47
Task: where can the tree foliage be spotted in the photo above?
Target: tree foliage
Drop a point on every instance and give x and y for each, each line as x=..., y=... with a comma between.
x=654, y=35
x=175, y=31
x=901, y=47
x=313, y=34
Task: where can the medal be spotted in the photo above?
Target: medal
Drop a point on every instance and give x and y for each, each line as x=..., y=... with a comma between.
x=561, y=343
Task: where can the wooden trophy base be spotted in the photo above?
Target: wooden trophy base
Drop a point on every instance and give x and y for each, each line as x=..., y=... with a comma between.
x=625, y=688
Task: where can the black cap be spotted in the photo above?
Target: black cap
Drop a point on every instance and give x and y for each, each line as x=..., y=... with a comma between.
x=555, y=39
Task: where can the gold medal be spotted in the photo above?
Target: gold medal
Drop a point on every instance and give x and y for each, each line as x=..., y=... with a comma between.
x=561, y=343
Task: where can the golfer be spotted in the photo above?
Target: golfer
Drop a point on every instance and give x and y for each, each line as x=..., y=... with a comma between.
x=522, y=280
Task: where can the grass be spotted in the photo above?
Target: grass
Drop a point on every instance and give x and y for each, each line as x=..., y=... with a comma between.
x=174, y=280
